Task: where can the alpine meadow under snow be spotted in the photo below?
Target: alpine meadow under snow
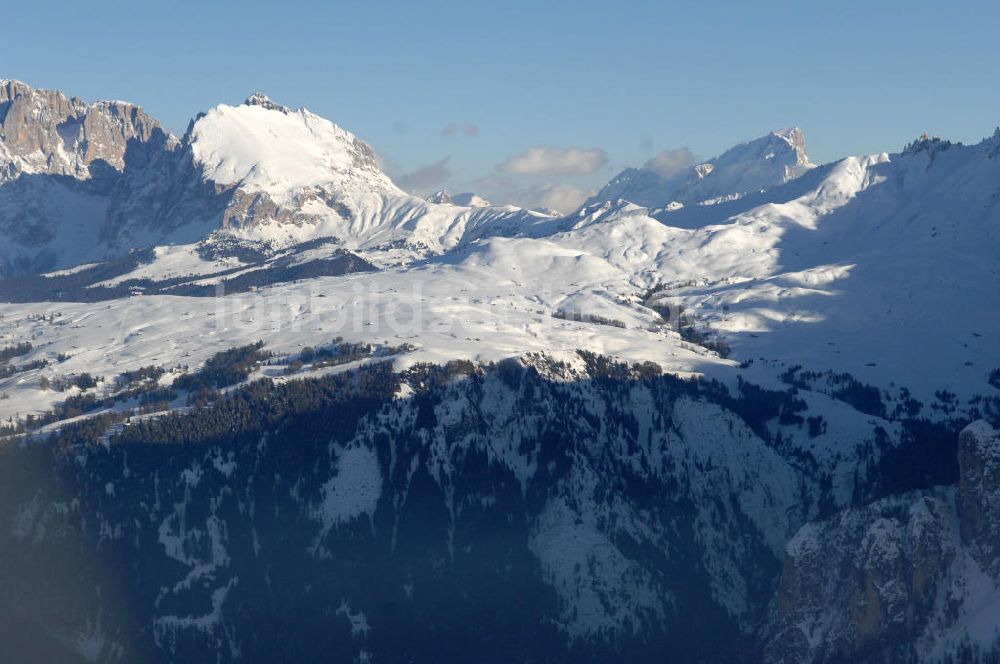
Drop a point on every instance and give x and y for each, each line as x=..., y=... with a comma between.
x=740, y=410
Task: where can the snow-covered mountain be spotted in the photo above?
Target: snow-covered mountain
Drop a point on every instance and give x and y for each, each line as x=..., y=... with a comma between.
x=260, y=170
x=437, y=392
x=750, y=167
x=467, y=199
x=441, y=197
x=470, y=199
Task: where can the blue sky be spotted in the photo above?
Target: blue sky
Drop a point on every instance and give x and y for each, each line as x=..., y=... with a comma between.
x=626, y=78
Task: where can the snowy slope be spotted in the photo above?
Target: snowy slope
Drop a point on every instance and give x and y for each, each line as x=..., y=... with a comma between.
x=749, y=167
x=859, y=266
x=260, y=170
x=887, y=257
x=294, y=176
x=828, y=270
x=280, y=152
x=883, y=267
x=834, y=277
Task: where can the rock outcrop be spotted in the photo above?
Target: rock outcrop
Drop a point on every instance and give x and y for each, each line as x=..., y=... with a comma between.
x=979, y=494
x=907, y=578
x=44, y=131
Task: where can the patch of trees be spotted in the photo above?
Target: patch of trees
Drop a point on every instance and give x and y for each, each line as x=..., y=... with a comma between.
x=588, y=318
x=906, y=406
x=817, y=426
x=994, y=378
x=843, y=387
x=8, y=353
x=82, y=381
x=757, y=406
x=341, y=352
x=76, y=286
x=926, y=456
x=861, y=396
x=263, y=404
x=150, y=398
x=148, y=373
x=280, y=271
x=224, y=369
x=81, y=286
x=8, y=370
x=223, y=246
x=602, y=367
x=690, y=333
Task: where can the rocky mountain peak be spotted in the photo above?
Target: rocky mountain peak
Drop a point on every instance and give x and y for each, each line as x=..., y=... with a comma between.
x=749, y=167
x=262, y=100
x=44, y=131
x=442, y=198
x=795, y=139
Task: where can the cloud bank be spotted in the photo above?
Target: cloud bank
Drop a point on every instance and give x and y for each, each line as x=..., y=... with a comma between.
x=541, y=160
x=669, y=163
x=425, y=179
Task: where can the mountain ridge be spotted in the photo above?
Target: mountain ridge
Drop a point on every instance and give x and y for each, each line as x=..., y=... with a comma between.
x=649, y=421
x=770, y=160
x=230, y=171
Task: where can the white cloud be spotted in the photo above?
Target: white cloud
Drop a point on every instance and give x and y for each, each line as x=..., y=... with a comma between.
x=563, y=198
x=541, y=160
x=425, y=179
x=669, y=163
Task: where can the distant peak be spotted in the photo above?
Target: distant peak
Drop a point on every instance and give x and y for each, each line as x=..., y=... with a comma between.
x=441, y=197
x=262, y=100
x=926, y=143
x=790, y=133
x=795, y=139
x=469, y=199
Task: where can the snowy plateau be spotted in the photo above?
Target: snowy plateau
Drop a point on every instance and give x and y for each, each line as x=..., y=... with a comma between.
x=258, y=401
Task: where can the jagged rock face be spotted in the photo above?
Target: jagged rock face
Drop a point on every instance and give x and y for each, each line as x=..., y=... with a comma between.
x=749, y=167
x=861, y=584
x=907, y=578
x=70, y=172
x=442, y=198
x=43, y=131
x=979, y=494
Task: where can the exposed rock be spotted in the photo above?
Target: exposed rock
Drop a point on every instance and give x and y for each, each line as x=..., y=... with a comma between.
x=907, y=578
x=43, y=131
x=261, y=99
x=979, y=494
x=442, y=198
